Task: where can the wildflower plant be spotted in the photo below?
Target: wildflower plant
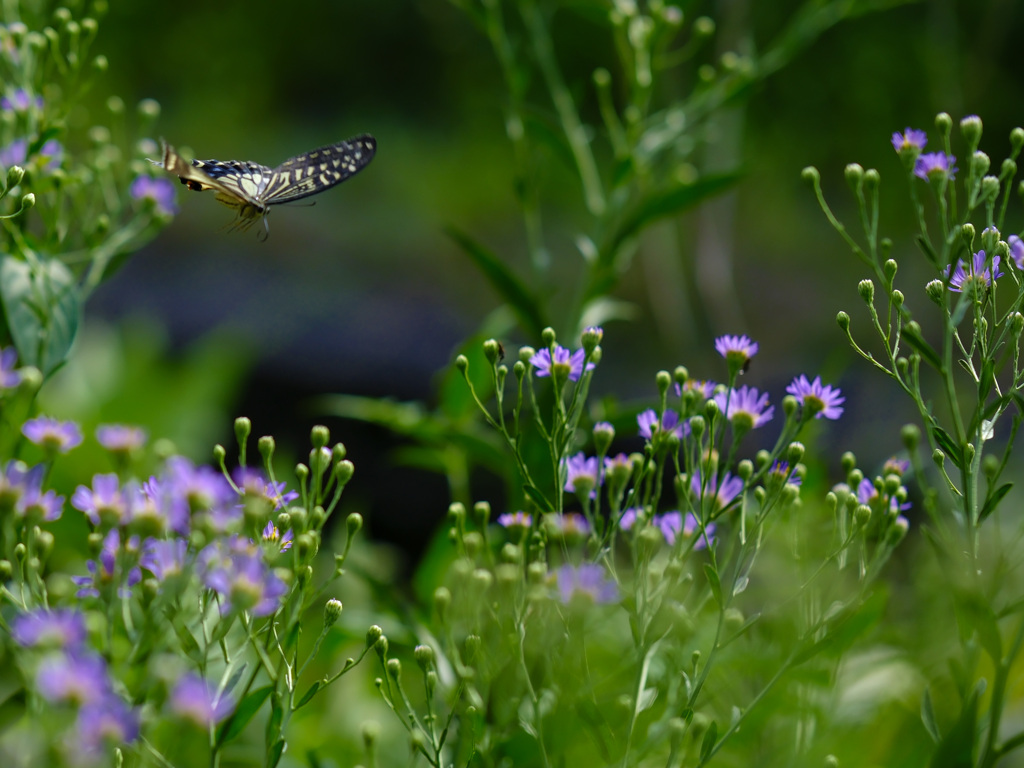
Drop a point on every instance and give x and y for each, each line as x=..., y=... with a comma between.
x=72, y=202
x=952, y=346
x=186, y=620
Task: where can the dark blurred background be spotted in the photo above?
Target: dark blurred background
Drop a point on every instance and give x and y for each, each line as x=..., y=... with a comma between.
x=364, y=294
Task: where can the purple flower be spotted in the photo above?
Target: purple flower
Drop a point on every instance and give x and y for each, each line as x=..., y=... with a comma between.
x=16, y=479
x=202, y=490
x=236, y=571
x=589, y=581
x=821, y=400
x=38, y=506
x=20, y=101
x=736, y=347
x=164, y=558
x=52, y=435
x=254, y=484
x=894, y=466
x=691, y=527
x=120, y=438
x=721, y=496
x=935, y=164
x=105, y=571
x=912, y=138
x=103, y=504
x=273, y=536
x=160, y=192
x=14, y=153
x=704, y=387
x=669, y=424
x=108, y=720
x=745, y=407
x=629, y=517
x=781, y=472
x=1016, y=250
x=73, y=678
x=978, y=274
x=193, y=699
x=52, y=153
x=9, y=378
x=582, y=474
x=568, y=524
x=59, y=628
x=515, y=520
x=573, y=361
x=868, y=494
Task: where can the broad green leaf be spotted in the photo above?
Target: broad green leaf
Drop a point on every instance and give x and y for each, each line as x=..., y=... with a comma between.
x=957, y=748
x=42, y=309
x=710, y=737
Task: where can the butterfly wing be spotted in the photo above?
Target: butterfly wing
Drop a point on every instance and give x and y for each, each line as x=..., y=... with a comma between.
x=316, y=171
x=238, y=184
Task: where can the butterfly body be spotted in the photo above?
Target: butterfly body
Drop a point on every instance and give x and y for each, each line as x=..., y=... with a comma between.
x=251, y=188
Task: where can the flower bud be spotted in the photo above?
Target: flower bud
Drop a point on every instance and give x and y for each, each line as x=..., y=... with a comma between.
x=481, y=513
x=989, y=188
x=353, y=524
x=843, y=320
x=14, y=176
x=373, y=634
x=854, y=174
x=472, y=647
x=266, y=447
x=548, y=337
x=871, y=179
x=970, y=126
x=28, y=201
x=591, y=338
x=866, y=289
x=944, y=123
x=394, y=669
x=424, y=656
x=795, y=452
x=332, y=612
x=604, y=433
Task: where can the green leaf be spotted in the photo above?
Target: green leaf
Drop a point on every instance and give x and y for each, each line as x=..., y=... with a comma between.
x=928, y=715
x=922, y=347
x=667, y=202
x=247, y=708
x=538, y=498
x=927, y=250
x=710, y=737
x=508, y=286
x=189, y=646
x=274, y=755
x=974, y=614
x=993, y=501
x=956, y=750
x=42, y=308
x=273, y=729
x=713, y=581
x=309, y=694
x=948, y=446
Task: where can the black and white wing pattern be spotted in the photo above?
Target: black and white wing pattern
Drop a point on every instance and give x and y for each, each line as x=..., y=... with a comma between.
x=251, y=188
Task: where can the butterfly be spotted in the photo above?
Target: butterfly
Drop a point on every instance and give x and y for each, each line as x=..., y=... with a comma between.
x=251, y=188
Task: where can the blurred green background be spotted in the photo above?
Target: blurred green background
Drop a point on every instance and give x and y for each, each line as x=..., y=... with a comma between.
x=363, y=293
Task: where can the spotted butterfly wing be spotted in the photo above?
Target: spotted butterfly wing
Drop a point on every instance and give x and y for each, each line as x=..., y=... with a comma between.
x=251, y=188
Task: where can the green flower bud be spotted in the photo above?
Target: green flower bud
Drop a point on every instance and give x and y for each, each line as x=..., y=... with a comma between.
x=525, y=353
x=745, y=469
x=462, y=364
x=457, y=512
x=6, y=569
x=14, y=176
x=394, y=669
x=512, y=553
x=219, y=454
x=871, y=179
x=472, y=647
x=866, y=289
x=353, y=524
x=319, y=436
x=604, y=433
x=831, y=761
x=332, y=612
x=481, y=513
x=1017, y=139
x=442, y=601
x=380, y=646
x=989, y=188
x=424, y=656
x=795, y=453
x=548, y=337
x=266, y=447
x=482, y=579
x=537, y=572
x=861, y=515
x=810, y=173
x=28, y=201
x=843, y=320
x=970, y=126
x=790, y=405
x=663, y=380
x=733, y=620
x=897, y=531
x=854, y=174
x=591, y=338
x=944, y=123
x=602, y=78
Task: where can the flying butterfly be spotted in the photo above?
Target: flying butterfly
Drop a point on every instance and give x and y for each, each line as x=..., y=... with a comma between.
x=251, y=188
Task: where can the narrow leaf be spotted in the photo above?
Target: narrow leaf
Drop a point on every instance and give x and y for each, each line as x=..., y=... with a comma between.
x=993, y=501
x=948, y=446
x=710, y=737
x=716, y=585
x=508, y=286
x=309, y=694
x=928, y=715
x=538, y=498
x=248, y=707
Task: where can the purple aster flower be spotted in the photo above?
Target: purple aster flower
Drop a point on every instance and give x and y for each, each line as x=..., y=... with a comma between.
x=273, y=536
x=50, y=155
x=9, y=378
x=588, y=580
x=823, y=400
x=649, y=425
x=59, y=628
x=912, y=138
x=582, y=474
x=73, y=678
x=977, y=274
x=193, y=699
x=254, y=484
x=20, y=101
x=781, y=472
x=52, y=435
x=1016, y=250
x=37, y=505
x=628, y=518
x=702, y=386
x=721, y=496
x=568, y=524
x=203, y=490
x=105, y=571
x=745, y=407
x=160, y=192
x=14, y=153
x=935, y=164
x=572, y=360
x=515, y=520
x=868, y=494
x=120, y=438
x=736, y=347
x=107, y=721
x=894, y=466
x=104, y=503
x=236, y=571
x=164, y=558
x=17, y=480
x=691, y=527
x=162, y=499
